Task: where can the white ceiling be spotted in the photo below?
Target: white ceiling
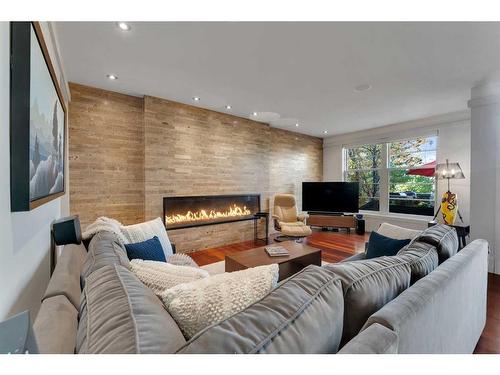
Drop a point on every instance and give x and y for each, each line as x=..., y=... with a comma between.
x=290, y=72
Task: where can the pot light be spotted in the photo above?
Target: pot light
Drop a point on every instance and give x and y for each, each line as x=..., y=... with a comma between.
x=123, y=26
x=228, y=107
x=363, y=87
x=297, y=125
x=325, y=131
x=196, y=98
x=112, y=77
x=255, y=114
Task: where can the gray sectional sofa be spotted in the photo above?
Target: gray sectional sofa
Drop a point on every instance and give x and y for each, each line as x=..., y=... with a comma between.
x=426, y=299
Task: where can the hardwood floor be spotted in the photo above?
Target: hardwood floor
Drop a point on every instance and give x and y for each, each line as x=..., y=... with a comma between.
x=338, y=246
x=489, y=343
x=335, y=247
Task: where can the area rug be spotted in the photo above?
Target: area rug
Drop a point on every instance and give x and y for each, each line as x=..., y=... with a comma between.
x=219, y=267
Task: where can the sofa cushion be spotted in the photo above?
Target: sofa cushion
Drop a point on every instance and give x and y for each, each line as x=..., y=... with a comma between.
x=380, y=245
x=444, y=238
x=304, y=314
x=55, y=326
x=422, y=258
x=375, y=339
x=397, y=232
x=65, y=281
x=207, y=301
x=368, y=285
x=445, y=312
x=147, y=250
x=119, y=314
x=104, y=250
x=148, y=229
x=159, y=276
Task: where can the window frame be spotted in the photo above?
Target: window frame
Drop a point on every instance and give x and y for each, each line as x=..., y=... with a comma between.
x=385, y=171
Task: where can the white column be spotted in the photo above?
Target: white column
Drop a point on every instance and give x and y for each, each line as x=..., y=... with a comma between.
x=485, y=169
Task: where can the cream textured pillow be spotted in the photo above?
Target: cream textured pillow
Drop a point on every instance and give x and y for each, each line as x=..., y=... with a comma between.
x=159, y=276
x=147, y=230
x=181, y=260
x=198, y=304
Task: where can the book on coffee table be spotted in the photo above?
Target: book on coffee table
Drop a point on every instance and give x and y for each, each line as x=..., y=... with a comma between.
x=276, y=251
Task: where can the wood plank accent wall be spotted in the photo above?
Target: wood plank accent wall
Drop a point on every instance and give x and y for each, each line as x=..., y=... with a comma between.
x=106, y=155
x=177, y=150
x=193, y=151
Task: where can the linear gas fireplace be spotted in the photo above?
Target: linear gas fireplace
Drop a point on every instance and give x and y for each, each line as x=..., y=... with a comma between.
x=184, y=212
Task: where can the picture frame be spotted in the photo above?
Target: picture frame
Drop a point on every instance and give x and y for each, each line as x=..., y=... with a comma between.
x=38, y=121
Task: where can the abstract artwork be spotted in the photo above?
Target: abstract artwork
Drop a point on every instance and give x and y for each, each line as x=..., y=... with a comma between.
x=46, y=129
x=38, y=132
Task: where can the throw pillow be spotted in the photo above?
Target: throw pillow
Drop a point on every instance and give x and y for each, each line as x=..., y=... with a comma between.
x=147, y=250
x=379, y=245
x=397, y=232
x=182, y=260
x=208, y=301
x=159, y=276
x=144, y=231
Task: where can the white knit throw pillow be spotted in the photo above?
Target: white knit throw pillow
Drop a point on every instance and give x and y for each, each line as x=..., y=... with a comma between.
x=159, y=276
x=147, y=230
x=198, y=304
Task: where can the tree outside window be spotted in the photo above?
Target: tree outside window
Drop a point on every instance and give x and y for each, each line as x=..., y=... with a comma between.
x=363, y=165
x=407, y=168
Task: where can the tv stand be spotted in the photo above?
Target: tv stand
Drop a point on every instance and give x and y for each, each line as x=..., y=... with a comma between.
x=332, y=220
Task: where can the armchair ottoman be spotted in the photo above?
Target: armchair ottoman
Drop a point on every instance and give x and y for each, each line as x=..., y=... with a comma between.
x=286, y=219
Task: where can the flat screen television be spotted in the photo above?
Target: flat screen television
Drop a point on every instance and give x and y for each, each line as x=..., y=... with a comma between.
x=330, y=197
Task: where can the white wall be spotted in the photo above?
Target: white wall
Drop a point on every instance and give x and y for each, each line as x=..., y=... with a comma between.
x=485, y=162
x=453, y=143
x=24, y=237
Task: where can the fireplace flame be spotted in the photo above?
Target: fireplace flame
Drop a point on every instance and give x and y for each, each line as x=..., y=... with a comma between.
x=203, y=215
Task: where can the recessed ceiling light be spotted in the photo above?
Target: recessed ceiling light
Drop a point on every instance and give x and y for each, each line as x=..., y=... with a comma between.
x=196, y=98
x=325, y=131
x=228, y=106
x=123, y=26
x=363, y=87
x=255, y=114
x=297, y=125
x=112, y=77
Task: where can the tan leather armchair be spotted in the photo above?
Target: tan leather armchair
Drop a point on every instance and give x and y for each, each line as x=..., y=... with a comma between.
x=287, y=220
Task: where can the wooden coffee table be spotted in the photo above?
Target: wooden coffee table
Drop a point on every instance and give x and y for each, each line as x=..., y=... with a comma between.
x=300, y=256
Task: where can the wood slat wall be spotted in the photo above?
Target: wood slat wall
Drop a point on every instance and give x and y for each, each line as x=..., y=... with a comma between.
x=106, y=155
x=185, y=150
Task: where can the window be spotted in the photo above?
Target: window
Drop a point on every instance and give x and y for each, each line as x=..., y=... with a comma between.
x=395, y=177
x=364, y=165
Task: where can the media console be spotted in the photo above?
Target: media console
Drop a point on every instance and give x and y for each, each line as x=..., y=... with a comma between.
x=336, y=221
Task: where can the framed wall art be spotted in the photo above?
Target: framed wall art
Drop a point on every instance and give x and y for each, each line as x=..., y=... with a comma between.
x=37, y=121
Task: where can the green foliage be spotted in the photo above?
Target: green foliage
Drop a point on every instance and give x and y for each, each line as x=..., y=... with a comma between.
x=364, y=164
x=401, y=182
x=405, y=153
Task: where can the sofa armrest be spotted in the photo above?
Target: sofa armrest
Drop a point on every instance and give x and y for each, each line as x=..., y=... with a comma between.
x=358, y=256
x=376, y=339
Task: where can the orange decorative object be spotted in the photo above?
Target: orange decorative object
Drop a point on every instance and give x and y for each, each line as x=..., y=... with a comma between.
x=449, y=207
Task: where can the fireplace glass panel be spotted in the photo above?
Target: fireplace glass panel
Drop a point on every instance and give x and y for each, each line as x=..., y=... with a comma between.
x=182, y=212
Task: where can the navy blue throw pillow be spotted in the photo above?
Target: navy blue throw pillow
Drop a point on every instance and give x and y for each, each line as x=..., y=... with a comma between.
x=379, y=245
x=147, y=250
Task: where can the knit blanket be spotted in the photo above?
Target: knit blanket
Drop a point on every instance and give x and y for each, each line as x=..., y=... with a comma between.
x=104, y=224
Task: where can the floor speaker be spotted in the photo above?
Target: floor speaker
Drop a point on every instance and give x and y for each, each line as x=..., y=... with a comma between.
x=360, y=226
